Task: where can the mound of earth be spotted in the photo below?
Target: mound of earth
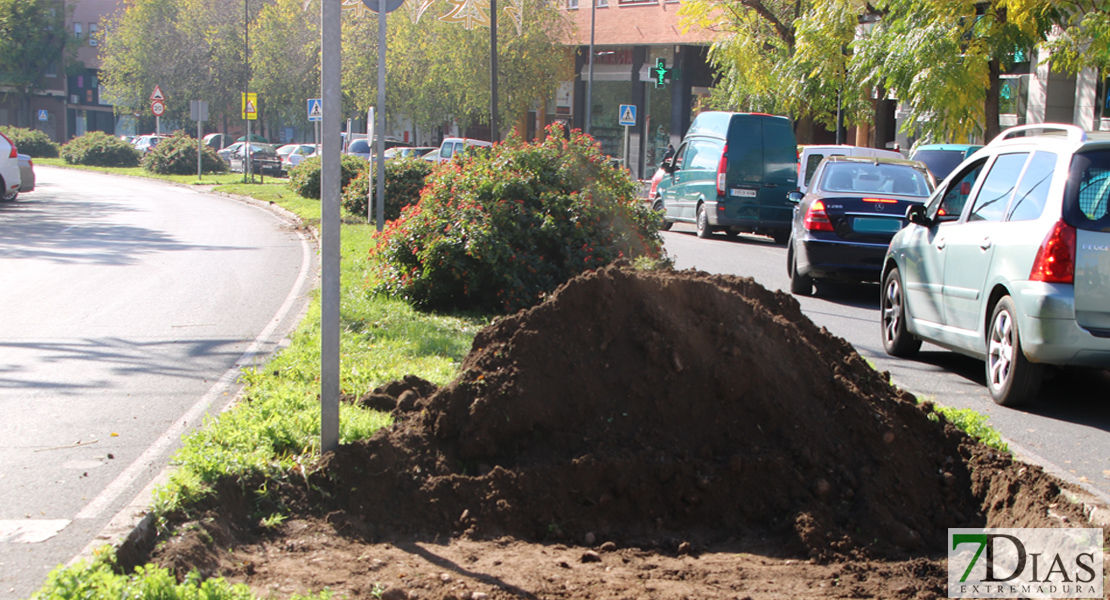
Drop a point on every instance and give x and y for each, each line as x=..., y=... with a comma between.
x=654, y=417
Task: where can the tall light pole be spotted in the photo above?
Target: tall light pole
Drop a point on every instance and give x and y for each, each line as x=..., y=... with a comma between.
x=590, y=83
x=494, y=134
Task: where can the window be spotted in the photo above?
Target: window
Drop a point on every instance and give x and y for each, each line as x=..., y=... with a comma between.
x=955, y=197
x=811, y=165
x=1032, y=192
x=994, y=195
x=77, y=30
x=603, y=3
x=572, y=4
x=52, y=70
x=703, y=156
x=92, y=34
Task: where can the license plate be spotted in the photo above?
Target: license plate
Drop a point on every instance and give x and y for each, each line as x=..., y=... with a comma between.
x=876, y=225
x=742, y=193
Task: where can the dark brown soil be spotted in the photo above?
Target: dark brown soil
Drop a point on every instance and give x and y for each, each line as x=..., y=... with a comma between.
x=639, y=434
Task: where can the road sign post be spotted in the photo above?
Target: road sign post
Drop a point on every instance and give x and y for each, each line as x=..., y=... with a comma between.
x=315, y=115
x=250, y=113
x=157, y=108
x=198, y=111
x=627, y=117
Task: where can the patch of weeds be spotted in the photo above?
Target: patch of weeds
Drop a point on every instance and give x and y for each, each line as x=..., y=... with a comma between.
x=973, y=424
x=273, y=521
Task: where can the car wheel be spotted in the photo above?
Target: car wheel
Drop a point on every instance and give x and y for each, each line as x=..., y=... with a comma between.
x=1011, y=378
x=664, y=224
x=897, y=341
x=10, y=196
x=704, y=230
x=800, y=285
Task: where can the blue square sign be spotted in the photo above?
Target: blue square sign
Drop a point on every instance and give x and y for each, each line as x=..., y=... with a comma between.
x=628, y=114
x=315, y=109
x=43, y=116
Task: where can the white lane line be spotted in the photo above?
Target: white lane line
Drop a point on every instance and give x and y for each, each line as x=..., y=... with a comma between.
x=95, y=508
x=30, y=531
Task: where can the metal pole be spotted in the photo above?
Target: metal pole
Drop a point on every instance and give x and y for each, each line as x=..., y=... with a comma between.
x=381, y=115
x=590, y=84
x=199, y=134
x=247, y=87
x=329, y=224
x=370, y=207
x=494, y=134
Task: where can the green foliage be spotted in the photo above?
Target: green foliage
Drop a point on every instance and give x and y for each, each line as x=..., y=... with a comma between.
x=497, y=230
x=177, y=155
x=403, y=181
x=974, y=424
x=304, y=179
x=32, y=38
x=32, y=142
x=97, y=148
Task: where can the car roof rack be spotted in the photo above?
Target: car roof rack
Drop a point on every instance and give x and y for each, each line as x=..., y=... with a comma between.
x=1074, y=133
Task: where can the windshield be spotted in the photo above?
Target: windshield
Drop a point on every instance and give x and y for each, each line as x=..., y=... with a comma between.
x=940, y=162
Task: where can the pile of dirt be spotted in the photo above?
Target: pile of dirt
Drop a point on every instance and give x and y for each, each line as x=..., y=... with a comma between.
x=676, y=411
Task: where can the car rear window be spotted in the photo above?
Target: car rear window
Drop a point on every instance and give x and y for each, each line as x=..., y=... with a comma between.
x=359, y=146
x=940, y=162
x=1088, y=191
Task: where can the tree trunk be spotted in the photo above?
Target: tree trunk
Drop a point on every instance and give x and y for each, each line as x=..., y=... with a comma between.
x=991, y=127
x=24, y=110
x=803, y=129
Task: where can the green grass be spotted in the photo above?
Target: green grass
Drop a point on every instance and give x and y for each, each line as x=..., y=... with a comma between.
x=274, y=429
x=974, y=424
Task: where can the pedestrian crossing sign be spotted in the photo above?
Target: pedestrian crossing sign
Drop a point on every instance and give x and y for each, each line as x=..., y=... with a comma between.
x=250, y=106
x=315, y=110
x=43, y=116
x=628, y=114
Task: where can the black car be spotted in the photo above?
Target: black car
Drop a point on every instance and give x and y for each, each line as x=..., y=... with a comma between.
x=264, y=159
x=843, y=224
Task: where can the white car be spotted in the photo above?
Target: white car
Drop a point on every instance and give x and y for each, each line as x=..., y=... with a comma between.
x=452, y=146
x=10, y=179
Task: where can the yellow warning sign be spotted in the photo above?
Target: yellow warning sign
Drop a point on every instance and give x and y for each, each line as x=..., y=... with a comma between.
x=250, y=106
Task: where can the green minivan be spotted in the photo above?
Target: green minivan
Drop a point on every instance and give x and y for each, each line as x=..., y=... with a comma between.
x=731, y=173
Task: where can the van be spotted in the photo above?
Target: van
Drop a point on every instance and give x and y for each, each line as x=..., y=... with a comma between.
x=452, y=146
x=811, y=156
x=731, y=173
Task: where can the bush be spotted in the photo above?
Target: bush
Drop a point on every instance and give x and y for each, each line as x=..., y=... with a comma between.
x=32, y=142
x=304, y=179
x=99, y=149
x=177, y=155
x=403, y=181
x=496, y=231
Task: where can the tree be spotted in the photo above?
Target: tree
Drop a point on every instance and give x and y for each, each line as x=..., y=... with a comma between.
x=285, y=58
x=33, y=39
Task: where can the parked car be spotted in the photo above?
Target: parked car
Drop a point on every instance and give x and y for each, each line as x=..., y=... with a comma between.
x=731, y=173
x=10, y=179
x=217, y=141
x=264, y=159
x=291, y=155
x=408, y=152
x=226, y=153
x=842, y=226
x=432, y=157
x=942, y=158
x=452, y=146
x=365, y=148
x=811, y=155
x=146, y=143
x=26, y=174
x=1009, y=260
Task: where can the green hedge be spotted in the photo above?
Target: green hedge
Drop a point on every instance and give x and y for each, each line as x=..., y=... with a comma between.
x=177, y=155
x=304, y=179
x=496, y=231
x=99, y=149
x=403, y=181
x=32, y=142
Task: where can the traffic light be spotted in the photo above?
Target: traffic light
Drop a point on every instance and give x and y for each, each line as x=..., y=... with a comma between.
x=661, y=73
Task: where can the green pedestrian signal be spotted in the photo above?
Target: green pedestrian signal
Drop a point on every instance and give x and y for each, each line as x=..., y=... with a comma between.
x=661, y=72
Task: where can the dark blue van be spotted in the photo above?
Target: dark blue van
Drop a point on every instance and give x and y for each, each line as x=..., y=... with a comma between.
x=732, y=173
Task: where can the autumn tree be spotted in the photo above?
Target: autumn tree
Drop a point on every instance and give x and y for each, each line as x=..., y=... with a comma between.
x=33, y=38
x=285, y=58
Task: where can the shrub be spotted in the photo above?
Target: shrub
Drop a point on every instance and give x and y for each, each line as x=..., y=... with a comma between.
x=99, y=149
x=177, y=155
x=32, y=142
x=497, y=230
x=304, y=179
x=403, y=181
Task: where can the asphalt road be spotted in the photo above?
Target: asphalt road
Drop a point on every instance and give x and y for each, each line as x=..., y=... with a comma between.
x=126, y=308
x=1067, y=429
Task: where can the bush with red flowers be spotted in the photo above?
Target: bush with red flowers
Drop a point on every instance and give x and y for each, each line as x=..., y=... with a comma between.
x=496, y=230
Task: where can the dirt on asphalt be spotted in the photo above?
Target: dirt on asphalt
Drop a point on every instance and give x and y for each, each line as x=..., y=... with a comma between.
x=640, y=434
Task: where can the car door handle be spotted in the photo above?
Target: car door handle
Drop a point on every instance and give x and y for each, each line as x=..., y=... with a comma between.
x=985, y=244
x=770, y=185
x=941, y=243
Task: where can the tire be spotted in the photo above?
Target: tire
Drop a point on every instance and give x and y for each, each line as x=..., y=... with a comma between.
x=664, y=224
x=800, y=285
x=897, y=341
x=9, y=197
x=704, y=230
x=1011, y=378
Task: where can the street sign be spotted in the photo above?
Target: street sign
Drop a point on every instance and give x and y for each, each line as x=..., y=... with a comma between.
x=250, y=106
x=157, y=94
x=315, y=110
x=198, y=110
x=390, y=5
x=43, y=116
x=157, y=108
x=628, y=114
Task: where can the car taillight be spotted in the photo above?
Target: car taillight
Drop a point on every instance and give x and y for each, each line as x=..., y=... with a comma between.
x=14, y=153
x=722, y=169
x=1055, y=261
x=816, y=218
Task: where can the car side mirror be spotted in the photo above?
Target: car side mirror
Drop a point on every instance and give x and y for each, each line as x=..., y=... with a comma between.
x=795, y=196
x=916, y=214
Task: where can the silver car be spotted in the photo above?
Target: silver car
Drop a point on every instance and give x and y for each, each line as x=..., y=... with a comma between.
x=1009, y=260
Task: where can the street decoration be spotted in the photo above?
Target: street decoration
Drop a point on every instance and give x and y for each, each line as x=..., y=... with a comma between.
x=471, y=13
x=416, y=9
x=516, y=11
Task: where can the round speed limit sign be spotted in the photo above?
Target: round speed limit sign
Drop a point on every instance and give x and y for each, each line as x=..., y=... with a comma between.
x=157, y=108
